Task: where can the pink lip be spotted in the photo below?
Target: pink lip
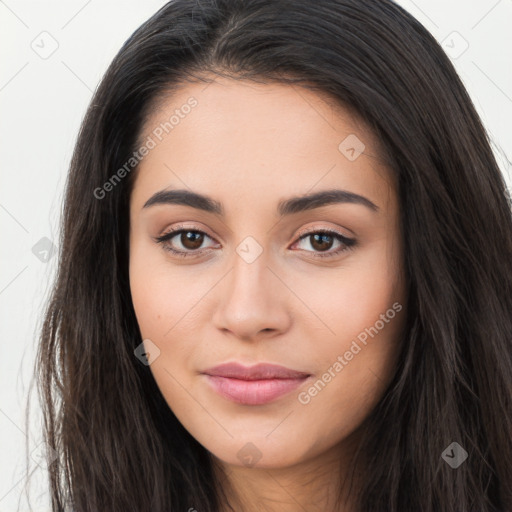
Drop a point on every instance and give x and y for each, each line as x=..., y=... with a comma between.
x=255, y=385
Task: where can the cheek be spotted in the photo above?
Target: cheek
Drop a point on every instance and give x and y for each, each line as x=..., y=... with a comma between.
x=354, y=369
x=167, y=302
x=344, y=302
x=365, y=314
x=161, y=303
x=152, y=290
x=149, y=300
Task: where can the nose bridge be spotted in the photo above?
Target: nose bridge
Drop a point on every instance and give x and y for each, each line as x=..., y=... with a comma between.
x=249, y=280
x=251, y=300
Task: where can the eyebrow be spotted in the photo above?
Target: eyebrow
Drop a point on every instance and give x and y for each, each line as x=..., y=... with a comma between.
x=287, y=207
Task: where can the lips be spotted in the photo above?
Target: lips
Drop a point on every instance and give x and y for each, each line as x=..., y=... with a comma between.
x=257, y=372
x=254, y=385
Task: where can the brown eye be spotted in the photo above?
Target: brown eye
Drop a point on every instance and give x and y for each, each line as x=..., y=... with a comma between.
x=183, y=242
x=323, y=241
x=191, y=239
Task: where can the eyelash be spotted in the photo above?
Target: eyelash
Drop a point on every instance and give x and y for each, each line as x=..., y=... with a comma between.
x=348, y=243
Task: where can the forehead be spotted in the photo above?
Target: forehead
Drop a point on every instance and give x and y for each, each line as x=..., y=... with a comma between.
x=258, y=138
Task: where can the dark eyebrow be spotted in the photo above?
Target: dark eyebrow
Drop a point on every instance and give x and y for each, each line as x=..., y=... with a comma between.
x=186, y=198
x=287, y=207
x=323, y=198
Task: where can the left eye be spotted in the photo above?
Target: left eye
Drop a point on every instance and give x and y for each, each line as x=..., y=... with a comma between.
x=191, y=241
x=323, y=240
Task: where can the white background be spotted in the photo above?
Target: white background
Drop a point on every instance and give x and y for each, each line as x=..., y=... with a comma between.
x=43, y=102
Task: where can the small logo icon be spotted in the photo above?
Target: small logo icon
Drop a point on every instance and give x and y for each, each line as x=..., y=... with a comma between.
x=249, y=250
x=249, y=455
x=454, y=455
x=351, y=147
x=45, y=45
x=454, y=45
x=44, y=249
x=147, y=352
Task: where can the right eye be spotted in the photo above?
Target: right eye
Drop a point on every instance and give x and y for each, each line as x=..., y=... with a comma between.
x=190, y=240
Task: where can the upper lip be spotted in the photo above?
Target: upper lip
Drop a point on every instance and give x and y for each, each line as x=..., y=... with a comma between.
x=259, y=371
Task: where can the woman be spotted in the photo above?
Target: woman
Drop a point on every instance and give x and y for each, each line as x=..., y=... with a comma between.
x=285, y=273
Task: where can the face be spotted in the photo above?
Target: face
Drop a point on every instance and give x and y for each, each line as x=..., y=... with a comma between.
x=239, y=258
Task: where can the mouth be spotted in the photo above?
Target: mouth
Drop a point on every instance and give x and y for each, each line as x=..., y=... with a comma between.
x=255, y=385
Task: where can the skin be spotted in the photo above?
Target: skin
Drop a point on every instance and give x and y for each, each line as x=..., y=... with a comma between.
x=249, y=146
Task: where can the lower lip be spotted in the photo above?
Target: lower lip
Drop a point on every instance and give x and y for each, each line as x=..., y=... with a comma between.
x=253, y=392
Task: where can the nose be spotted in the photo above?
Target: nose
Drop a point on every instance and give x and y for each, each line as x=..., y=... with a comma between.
x=253, y=301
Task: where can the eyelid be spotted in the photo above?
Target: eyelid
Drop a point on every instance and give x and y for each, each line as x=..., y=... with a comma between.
x=176, y=228
x=169, y=234
x=323, y=229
